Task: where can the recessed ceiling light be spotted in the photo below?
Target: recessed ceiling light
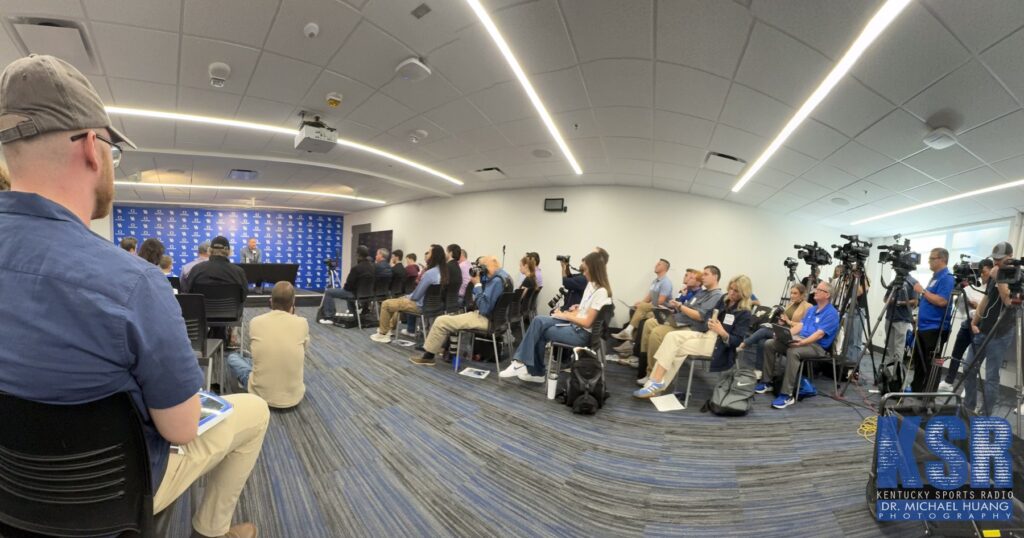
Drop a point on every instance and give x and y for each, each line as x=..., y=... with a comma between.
x=248, y=189
x=840, y=201
x=243, y=175
x=506, y=51
x=175, y=116
x=885, y=15
x=961, y=196
x=541, y=153
x=176, y=171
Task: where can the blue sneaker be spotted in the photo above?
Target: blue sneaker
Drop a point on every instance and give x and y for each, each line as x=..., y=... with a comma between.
x=783, y=401
x=652, y=389
x=762, y=387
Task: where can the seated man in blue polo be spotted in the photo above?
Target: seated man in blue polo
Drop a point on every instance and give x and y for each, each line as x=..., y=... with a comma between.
x=811, y=338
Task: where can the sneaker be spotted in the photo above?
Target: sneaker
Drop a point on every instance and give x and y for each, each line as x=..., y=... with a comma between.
x=651, y=390
x=624, y=334
x=642, y=381
x=783, y=401
x=624, y=348
x=325, y=321
x=512, y=370
x=420, y=360
x=945, y=387
x=381, y=338
x=525, y=375
x=632, y=362
x=762, y=387
x=405, y=332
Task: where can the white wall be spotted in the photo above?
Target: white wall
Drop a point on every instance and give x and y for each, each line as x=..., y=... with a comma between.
x=636, y=225
x=103, y=227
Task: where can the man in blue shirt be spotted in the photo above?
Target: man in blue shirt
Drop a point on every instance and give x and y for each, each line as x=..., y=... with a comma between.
x=487, y=289
x=95, y=321
x=811, y=338
x=934, y=318
x=658, y=293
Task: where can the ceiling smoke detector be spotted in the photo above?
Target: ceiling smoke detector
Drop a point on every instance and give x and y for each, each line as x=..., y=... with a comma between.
x=412, y=69
x=311, y=30
x=541, y=153
x=940, y=138
x=220, y=72
x=417, y=135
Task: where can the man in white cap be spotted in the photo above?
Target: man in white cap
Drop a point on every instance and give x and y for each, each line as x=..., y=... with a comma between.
x=125, y=333
x=986, y=324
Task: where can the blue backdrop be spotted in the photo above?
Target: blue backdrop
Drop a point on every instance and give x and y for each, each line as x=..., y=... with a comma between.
x=302, y=238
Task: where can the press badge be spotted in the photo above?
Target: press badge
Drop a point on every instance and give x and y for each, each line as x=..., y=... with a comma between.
x=728, y=320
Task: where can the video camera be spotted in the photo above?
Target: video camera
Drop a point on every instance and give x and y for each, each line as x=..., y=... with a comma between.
x=898, y=254
x=854, y=251
x=791, y=263
x=967, y=272
x=812, y=254
x=1010, y=273
x=331, y=263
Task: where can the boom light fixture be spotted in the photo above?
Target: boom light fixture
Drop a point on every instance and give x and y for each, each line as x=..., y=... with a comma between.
x=134, y=185
x=513, y=63
x=885, y=15
x=961, y=196
x=225, y=122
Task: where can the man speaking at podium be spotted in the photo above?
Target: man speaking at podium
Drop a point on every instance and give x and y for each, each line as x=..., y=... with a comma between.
x=251, y=253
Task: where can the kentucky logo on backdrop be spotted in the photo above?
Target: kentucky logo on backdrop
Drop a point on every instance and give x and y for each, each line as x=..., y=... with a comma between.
x=182, y=229
x=967, y=472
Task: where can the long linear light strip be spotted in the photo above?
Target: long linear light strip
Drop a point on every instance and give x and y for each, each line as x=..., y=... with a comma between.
x=961, y=196
x=132, y=184
x=513, y=63
x=874, y=28
x=225, y=122
x=243, y=206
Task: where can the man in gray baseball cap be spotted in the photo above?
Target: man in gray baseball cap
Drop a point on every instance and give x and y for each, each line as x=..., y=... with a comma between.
x=83, y=319
x=990, y=324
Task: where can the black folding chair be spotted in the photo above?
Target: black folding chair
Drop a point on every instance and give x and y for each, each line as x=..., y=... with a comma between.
x=397, y=285
x=531, y=310
x=409, y=285
x=193, y=309
x=74, y=470
x=598, y=339
x=433, y=306
x=381, y=291
x=517, y=314
x=225, y=307
x=498, y=326
x=363, y=296
x=808, y=371
x=452, y=300
x=175, y=282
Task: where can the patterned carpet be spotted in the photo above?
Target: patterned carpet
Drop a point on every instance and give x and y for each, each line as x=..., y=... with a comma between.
x=381, y=447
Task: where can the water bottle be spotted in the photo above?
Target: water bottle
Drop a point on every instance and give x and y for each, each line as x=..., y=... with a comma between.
x=552, y=383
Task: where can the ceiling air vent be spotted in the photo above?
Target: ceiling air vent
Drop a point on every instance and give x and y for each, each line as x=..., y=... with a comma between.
x=727, y=164
x=242, y=175
x=490, y=173
x=420, y=11
x=64, y=39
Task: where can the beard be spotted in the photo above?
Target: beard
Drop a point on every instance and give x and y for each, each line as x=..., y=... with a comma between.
x=104, y=192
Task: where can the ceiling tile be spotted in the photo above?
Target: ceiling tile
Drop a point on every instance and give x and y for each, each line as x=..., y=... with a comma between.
x=138, y=94
x=716, y=179
x=610, y=28
x=537, y=35
x=911, y=54
x=772, y=178
x=425, y=34
x=590, y=149
x=627, y=148
x=630, y=166
x=930, y=191
x=1011, y=168
x=66, y=8
x=1001, y=199
x=829, y=176
x=752, y=195
x=619, y=82
x=894, y=202
x=458, y=116
x=864, y=192
x=828, y=27
x=851, y=107
x=791, y=162
x=373, y=69
x=423, y=95
x=966, y=98
x=780, y=66
x=997, y=140
x=678, y=154
x=287, y=35
x=784, y=202
x=816, y=139
x=8, y=52
x=682, y=129
x=754, y=111
x=259, y=111
x=682, y=89
x=148, y=133
x=979, y=27
x=979, y=178
x=198, y=53
x=382, y=112
x=208, y=102
x=578, y=124
x=671, y=184
x=943, y=163
x=503, y=102
x=1007, y=62
x=452, y=147
x=282, y=79
x=624, y=121
x=353, y=95
x=118, y=45
x=897, y=135
x=525, y=132
x=434, y=132
x=858, y=160
x=239, y=21
x=561, y=90
x=706, y=34
x=898, y=178
x=355, y=131
x=159, y=14
x=471, y=62
x=199, y=136
x=709, y=191
x=737, y=143
x=675, y=172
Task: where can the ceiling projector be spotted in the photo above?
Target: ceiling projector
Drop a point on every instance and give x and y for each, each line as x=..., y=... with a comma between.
x=315, y=136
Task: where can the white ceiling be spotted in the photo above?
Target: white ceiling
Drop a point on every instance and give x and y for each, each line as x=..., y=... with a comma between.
x=641, y=90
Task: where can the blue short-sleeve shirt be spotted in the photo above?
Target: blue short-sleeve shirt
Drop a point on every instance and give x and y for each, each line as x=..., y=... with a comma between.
x=660, y=287
x=825, y=320
x=931, y=317
x=83, y=319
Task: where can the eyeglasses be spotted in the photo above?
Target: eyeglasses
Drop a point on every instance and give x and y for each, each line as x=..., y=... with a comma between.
x=115, y=149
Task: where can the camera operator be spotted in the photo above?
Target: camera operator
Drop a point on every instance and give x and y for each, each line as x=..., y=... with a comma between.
x=488, y=285
x=575, y=284
x=934, y=317
x=659, y=292
x=899, y=315
x=996, y=299
x=364, y=267
x=964, y=335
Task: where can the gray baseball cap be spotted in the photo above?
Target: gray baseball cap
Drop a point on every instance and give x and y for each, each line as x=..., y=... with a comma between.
x=1002, y=250
x=41, y=94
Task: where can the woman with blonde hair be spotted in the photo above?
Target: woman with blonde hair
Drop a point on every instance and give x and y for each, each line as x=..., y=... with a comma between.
x=725, y=333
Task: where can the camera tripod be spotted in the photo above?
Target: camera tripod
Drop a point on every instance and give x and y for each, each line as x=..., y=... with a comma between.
x=790, y=281
x=958, y=298
x=882, y=378
x=845, y=300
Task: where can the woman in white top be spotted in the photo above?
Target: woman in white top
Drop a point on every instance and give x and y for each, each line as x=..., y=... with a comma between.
x=570, y=326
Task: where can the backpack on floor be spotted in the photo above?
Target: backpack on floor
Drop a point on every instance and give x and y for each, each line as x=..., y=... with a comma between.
x=734, y=394
x=584, y=388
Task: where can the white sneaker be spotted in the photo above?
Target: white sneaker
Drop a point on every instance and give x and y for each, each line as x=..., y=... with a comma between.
x=631, y=362
x=624, y=334
x=524, y=375
x=625, y=347
x=642, y=381
x=381, y=338
x=945, y=387
x=512, y=370
x=405, y=332
x=325, y=321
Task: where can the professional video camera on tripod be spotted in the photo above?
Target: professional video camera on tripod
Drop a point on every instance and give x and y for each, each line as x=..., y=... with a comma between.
x=814, y=256
x=847, y=296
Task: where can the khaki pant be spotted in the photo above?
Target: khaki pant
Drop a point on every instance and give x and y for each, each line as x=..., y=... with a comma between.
x=679, y=345
x=448, y=325
x=643, y=311
x=226, y=453
x=650, y=341
x=794, y=360
x=390, y=309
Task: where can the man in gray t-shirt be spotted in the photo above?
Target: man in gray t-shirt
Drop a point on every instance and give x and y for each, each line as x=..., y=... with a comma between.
x=658, y=294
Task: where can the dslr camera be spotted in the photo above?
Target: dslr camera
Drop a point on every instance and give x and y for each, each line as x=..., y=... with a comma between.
x=852, y=252
x=967, y=272
x=553, y=303
x=476, y=269
x=812, y=254
x=562, y=258
x=898, y=254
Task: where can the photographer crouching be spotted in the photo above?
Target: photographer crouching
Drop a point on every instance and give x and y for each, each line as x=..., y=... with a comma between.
x=489, y=281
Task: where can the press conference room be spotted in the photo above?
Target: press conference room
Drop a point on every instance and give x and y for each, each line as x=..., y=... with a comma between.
x=306, y=268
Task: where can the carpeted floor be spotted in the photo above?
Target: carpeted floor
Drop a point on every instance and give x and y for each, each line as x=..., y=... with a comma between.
x=381, y=447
